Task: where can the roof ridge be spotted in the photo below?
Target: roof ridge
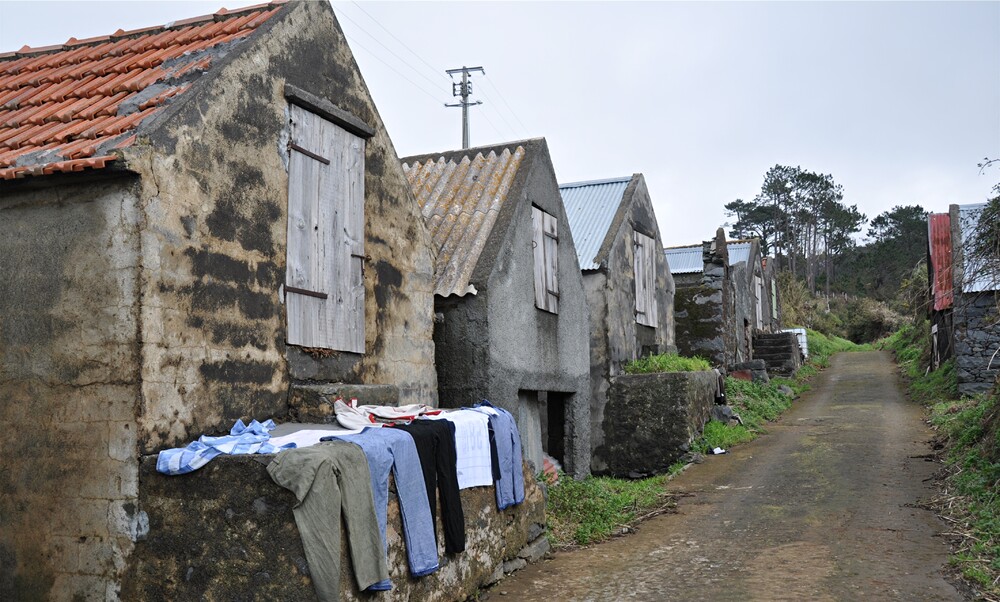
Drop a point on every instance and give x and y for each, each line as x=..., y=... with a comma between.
x=222, y=14
x=596, y=182
x=679, y=247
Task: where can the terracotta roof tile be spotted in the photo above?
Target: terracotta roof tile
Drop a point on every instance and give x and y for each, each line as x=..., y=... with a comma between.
x=59, y=104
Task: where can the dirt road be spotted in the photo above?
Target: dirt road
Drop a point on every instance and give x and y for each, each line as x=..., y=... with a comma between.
x=821, y=508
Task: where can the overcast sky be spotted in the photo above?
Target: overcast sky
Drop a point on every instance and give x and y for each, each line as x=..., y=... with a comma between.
x=898, y=101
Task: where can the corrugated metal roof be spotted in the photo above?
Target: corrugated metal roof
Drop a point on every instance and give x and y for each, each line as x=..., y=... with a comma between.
x=590, y=209
x=738, y=251
x=978, y=274
x=685, y=260
x=939, y=237
x=460, y=196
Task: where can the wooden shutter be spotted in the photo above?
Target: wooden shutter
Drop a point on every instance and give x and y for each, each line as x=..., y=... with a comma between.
x=545, y=243
x=644, y=261
x=324, y=283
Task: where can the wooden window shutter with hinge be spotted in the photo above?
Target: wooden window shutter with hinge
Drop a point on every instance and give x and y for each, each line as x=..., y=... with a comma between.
x=324, y=282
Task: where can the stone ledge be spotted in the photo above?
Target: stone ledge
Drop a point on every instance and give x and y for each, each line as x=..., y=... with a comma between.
x=226, y=532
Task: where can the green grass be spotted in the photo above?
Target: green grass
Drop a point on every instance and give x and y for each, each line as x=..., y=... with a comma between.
x=595, y=508
x=970, y=431
x=667, y=362
x=971, y=428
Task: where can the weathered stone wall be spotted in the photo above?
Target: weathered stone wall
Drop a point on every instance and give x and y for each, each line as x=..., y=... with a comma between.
x=616, y=338
x=213, y=253
x=226, y=532
x=703, y=311
x=977, y=339
x=69, y=384
x=651, y=418
x=531, y=349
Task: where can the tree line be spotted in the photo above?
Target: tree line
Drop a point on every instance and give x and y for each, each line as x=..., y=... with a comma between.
x=801, y=218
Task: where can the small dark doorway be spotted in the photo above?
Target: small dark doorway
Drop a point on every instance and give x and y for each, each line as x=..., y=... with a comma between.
x=554, y=424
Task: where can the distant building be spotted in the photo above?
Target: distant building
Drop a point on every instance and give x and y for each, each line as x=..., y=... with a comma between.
x=726, y=294
x=512, y=324
x=630, y=291
x=964, y=321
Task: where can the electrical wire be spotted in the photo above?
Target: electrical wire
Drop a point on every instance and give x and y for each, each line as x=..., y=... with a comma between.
x=500, y=94
x=389, y=50
x=490, y=102
x=381, y=60
x=432, y=68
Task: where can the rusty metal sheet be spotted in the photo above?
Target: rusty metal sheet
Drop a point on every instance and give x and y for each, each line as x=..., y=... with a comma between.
x=939, y=237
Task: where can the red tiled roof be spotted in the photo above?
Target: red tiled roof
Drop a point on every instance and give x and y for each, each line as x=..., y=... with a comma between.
x=66, y=107
x=939, y=236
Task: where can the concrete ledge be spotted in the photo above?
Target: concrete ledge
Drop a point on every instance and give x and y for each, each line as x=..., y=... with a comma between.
x=226, y=532
x=651, y=418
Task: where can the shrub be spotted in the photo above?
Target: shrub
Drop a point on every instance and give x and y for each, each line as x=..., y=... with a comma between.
x=667, y=362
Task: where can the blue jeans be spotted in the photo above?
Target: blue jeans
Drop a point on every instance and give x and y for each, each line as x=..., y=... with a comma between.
x=385, y=449
x=510, y=485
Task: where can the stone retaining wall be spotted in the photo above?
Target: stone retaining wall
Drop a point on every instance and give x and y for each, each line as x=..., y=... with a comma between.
x=651, y=418
x=226, y=532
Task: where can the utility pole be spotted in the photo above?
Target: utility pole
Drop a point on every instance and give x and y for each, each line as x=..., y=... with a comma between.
x=464, y=89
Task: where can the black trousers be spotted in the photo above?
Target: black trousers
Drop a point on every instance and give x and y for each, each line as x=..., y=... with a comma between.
x=435, y=440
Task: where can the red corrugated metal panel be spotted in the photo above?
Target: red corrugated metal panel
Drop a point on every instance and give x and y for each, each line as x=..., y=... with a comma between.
x=939, y=235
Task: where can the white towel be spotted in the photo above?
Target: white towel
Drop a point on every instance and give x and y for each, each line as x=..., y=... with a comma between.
x=472, y=446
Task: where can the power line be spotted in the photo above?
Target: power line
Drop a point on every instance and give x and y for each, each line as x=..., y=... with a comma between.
x=511, y=128
x=500, y=94
x=379, y=42
x=377, y=57
x=403, y=44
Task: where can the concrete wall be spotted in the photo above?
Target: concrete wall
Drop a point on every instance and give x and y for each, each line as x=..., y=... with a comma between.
x=244, y=544
x=977, y=339
x=615, y=336
x=215, y=198
x=651, y=418
x=531, y=349
x=69, y=383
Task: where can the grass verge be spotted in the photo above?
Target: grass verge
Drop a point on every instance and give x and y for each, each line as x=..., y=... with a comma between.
x=968, y=434
x=596, y=508
x=667, y=362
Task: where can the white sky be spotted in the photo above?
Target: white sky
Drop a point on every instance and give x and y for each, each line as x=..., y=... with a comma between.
x=899, y=101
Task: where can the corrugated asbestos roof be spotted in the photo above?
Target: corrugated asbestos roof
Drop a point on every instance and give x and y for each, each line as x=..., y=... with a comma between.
x=738, y=251
x=978, y=274
x=590, y=209
x=460, y=196
x=939, y=237
x=685, y=260
x=68, y=107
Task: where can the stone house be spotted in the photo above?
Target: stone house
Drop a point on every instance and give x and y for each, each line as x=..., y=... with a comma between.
x=726, y=295
x=630, y=291
x=195, y=219
x=964, y=292
x=512, y=324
